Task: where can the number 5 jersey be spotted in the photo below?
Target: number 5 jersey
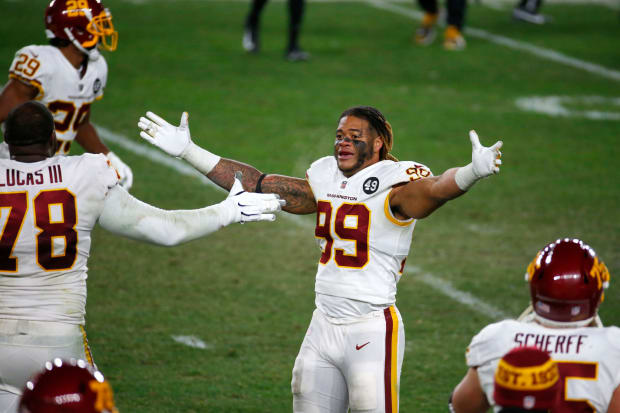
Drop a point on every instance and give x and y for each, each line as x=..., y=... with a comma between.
x=48, y=210
x=588, y=359
x=66, y=91
x=364, y=247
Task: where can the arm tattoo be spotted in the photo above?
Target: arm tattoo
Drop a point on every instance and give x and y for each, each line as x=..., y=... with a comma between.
x=296, y=191
x=224, y=173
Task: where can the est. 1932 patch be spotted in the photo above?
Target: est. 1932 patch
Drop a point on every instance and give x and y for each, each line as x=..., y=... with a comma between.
x=371, y=185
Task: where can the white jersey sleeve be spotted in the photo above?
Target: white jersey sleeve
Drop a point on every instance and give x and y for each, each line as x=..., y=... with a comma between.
x=127, y=216
x=588, y=358
x=33, y=68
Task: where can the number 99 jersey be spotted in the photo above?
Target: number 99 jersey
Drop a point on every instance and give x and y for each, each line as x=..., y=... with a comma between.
x=588, y=359
x=65, y=90
x=364, y=247
x=48, y=210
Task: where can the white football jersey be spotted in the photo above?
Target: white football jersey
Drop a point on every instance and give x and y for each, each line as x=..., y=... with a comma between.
x=48, y=210
x=588, y=359
x=364, y=247
x=65, y=91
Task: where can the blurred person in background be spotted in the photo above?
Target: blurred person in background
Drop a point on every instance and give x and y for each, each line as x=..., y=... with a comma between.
x=455, y=19
x=251, y=42
x=527, y=11
x=566, y=280
x=67, y=76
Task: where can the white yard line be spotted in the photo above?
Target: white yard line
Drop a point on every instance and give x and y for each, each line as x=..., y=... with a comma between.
x=192, y=341
x=557, y=106
x=462, y=297
x=547, y=54
x=153, y=154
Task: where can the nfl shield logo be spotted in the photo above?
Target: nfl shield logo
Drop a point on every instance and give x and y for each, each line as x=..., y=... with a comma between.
x=343, y=184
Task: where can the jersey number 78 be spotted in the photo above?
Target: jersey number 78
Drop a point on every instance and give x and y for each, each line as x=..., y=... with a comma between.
x=49, y=228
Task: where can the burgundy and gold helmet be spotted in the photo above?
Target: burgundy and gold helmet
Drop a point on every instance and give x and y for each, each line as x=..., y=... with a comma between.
x=567, y=280
x=85, y=23
x=72, y=386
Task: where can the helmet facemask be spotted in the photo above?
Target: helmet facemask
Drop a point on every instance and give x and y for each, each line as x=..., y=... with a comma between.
x=102, y=28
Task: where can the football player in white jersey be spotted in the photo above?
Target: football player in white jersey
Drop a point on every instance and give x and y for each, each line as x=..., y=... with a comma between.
x=566, y=280
x=48, y=208
x=366, y=205
x=67, y=76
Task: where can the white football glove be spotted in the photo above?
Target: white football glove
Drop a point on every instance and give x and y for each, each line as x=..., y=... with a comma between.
x=250, y=206
x=174, y=140
x=123, y=170
x=484, y=162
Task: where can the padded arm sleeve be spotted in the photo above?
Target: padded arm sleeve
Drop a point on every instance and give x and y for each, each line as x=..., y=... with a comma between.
x=128, y=216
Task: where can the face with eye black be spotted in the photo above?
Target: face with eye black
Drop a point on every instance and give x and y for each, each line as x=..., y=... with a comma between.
x=357, y=145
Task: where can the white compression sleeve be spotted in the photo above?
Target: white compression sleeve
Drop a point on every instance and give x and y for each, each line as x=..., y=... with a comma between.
x=126, y=215
x=200, y=158
x=465, y=177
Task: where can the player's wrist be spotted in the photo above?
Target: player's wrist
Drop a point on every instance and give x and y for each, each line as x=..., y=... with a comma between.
x=201, y=159
x=227, y=212
x=465, y=177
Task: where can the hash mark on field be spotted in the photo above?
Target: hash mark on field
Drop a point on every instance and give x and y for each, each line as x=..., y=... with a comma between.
x=555, y=106
x=541, y=52
x=462, y=297
x=192, y=341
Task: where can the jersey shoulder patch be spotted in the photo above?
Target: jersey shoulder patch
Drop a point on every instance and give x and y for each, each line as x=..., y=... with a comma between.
x=392, y=173
x=33, y=65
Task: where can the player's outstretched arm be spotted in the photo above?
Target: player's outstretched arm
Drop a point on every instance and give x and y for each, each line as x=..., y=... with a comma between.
x=418, y=199
x=128, y=216
x=177, y=141
x=614, y=404
x=468, y=396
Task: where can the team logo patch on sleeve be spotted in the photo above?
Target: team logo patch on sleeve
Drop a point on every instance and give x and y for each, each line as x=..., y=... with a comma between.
x=371, y=185
x=96, y=86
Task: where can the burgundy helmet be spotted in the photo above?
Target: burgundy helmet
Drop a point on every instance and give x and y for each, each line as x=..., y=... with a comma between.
x=567, y=280
x=85, y=23
x=72, y=386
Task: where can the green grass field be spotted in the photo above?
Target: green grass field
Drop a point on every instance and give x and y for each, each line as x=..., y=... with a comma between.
x=247, y=291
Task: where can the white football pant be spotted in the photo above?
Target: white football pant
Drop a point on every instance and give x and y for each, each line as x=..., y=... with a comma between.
x=352, y=364
x=25, y=346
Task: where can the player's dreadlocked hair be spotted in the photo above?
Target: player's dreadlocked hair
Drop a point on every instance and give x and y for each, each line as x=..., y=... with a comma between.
x=27, y=124
x=377, y=122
